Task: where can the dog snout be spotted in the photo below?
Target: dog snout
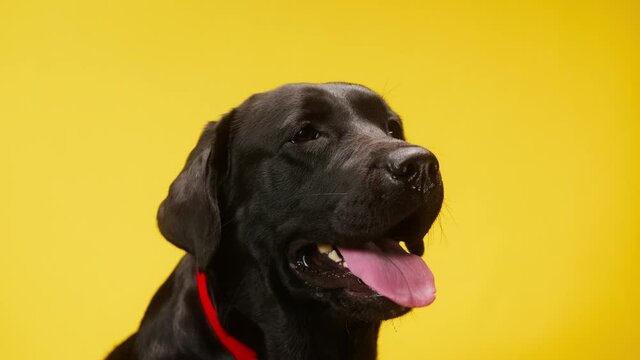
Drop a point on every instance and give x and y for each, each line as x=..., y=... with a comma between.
x=415, y=167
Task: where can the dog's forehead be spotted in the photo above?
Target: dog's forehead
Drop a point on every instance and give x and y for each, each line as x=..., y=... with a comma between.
x=355, y=99
x=274, y=110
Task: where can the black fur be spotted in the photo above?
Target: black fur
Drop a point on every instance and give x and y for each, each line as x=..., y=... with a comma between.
x=253, y=192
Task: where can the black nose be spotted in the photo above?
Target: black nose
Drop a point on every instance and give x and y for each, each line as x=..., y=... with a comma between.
x=415, y=166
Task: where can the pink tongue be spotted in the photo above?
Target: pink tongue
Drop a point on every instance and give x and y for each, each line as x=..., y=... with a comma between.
x=388, y=269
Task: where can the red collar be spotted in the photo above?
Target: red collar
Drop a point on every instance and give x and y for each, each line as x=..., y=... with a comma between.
x=239, y=350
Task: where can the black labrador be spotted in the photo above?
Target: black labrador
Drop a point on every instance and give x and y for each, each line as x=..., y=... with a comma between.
x=292, y=209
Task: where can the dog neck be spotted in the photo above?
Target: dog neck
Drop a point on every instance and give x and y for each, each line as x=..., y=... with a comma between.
x=263, y=317
x=239, y=350
x=175, y=325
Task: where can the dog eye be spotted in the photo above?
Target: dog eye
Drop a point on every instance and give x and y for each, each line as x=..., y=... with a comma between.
x=307, y=133
x=394, y=129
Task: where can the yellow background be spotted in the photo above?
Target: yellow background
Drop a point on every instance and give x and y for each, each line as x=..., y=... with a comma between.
x=531, y=106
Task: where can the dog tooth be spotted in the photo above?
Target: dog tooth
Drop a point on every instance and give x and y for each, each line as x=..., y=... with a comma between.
x=344, y=264
x=324, y=248
x=333, y=255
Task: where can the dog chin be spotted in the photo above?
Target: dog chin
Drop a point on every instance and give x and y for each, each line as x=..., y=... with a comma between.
x=367, y=305
x=369, y=308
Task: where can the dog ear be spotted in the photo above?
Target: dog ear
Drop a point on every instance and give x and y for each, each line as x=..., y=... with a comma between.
x=190, y=215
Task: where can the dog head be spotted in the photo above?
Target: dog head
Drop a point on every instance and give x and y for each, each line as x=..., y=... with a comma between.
x=317, y=186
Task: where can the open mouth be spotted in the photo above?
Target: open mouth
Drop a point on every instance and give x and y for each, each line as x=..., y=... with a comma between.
x=376, y=268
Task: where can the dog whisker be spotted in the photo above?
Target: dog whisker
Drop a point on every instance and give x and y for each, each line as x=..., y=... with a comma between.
x=393, y=323
x=328, y=194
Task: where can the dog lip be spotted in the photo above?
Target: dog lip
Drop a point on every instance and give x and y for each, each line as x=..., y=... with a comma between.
x=320, y=271
x=323, y=277
x=308, y=264
x=307, y=261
